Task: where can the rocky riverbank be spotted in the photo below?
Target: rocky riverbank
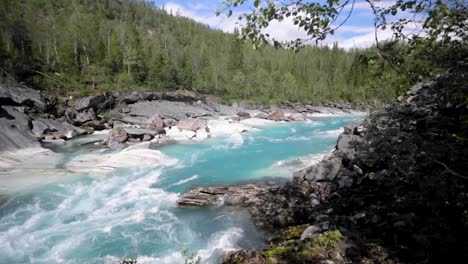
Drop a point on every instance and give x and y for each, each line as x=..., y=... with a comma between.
x=28, y=119
x=393, y=191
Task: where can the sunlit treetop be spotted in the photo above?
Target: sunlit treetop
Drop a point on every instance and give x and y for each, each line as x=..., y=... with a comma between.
x=444, y=21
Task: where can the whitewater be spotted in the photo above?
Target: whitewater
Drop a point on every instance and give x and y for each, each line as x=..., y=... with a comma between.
x=114, y=212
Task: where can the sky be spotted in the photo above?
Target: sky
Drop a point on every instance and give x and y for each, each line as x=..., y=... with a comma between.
x=357, y=32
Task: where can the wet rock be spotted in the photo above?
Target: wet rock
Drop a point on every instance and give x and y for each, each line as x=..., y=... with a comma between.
x=277, y=116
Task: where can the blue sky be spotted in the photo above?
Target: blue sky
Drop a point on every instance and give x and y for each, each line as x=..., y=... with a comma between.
x=357, y=32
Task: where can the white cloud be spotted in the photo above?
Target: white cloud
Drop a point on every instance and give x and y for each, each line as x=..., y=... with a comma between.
x=348, y=36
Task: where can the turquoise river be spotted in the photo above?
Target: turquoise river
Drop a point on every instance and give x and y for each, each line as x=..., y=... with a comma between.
x=132, y=214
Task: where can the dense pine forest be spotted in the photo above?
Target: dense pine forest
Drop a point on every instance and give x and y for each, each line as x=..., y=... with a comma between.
x=83, y=46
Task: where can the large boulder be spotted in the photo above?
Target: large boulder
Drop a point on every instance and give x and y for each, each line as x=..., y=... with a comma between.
x=325, y=170
x=261, y=115
x=297, y=117
x=15, y=130
x=243, y=115
x=16, y=94
x=156, y=123
x=97, y=102
x=277, y=116
x=42, y=127
x=169, y=122
x=86, y=116
x=193, y=124
x=117, y=137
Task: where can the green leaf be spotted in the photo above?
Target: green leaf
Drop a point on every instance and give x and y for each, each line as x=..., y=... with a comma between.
x=257, y=3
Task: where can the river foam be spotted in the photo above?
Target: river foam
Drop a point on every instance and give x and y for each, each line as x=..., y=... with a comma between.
x=129, y=211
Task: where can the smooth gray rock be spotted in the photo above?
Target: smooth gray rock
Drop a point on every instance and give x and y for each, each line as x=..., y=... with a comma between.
x=325, y=170
x=296, y=117
x=192, y=124
x=17, y=94
x=277, y=116
x=42, y=127
x=156, y=123
x=179, y=110
x=86, y=116
x=117, y=138
x=261, y=115
x=15, y=131
x=139, y=132
x=169, y=122
x=243, y=115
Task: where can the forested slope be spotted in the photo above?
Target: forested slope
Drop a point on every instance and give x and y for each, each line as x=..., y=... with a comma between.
x=83, y=46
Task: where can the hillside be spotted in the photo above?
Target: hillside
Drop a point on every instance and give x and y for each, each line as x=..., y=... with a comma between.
x=82, y=47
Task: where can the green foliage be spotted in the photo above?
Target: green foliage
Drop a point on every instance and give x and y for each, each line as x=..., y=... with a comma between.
x=325, y=245
x=443, y=21
x=294, y=232
x=90, y=46
x=278, y=250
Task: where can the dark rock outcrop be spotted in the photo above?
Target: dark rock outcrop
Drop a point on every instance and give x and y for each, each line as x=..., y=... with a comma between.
x=393, y=191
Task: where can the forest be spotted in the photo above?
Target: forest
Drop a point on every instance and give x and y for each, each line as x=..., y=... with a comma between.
x=84, y=47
